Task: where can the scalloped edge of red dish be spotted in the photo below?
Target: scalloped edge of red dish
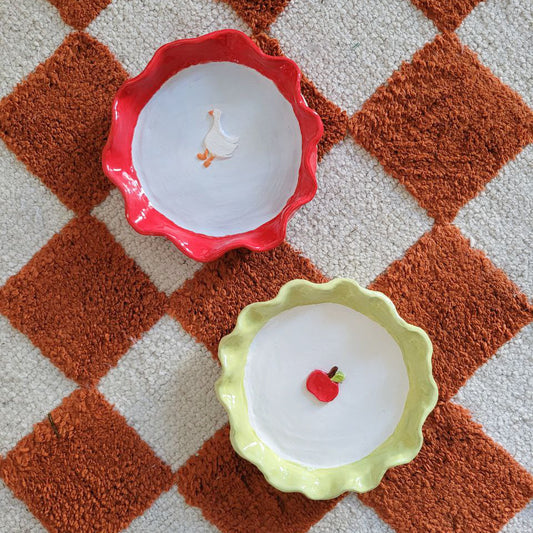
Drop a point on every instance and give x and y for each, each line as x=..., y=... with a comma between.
x=223, y=45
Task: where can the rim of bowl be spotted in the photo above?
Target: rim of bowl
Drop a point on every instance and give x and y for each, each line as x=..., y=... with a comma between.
x=363, y=475
x=132, y=96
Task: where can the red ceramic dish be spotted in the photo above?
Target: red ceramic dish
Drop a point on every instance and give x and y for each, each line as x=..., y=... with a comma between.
x=228, y=46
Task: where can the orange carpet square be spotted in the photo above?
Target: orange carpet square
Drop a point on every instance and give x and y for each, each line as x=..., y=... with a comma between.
x=207, y=305
x=79, y=13
x=460, y=481
x=82, y=301
x=258, y=14
x=234, y=495
x=446, y=14
x=443, y=125
x=57, y=119
x=468, y=307
x=84, y=469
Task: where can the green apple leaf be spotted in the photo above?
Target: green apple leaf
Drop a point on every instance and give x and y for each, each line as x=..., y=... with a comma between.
x=338, y=377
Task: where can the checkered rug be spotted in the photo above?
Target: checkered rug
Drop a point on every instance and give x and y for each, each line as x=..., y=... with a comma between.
x=108, y=339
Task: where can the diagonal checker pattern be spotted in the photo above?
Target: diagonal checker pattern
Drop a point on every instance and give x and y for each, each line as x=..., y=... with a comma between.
x=87, y=296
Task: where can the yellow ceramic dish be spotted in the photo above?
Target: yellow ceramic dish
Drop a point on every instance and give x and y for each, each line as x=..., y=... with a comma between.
x=366, y=473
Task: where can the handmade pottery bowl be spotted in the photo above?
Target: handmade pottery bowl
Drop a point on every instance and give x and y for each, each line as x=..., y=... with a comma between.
x=318, y=432
x=213, y=145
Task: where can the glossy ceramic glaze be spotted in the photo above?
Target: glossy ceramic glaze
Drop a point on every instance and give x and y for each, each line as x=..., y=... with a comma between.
x=159, y=125
x=375, y=422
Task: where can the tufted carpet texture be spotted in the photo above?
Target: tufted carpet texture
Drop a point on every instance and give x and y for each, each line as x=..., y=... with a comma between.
x=108, y=339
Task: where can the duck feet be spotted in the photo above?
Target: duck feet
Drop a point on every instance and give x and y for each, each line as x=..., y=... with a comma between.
x=208, y=161
x=203, y=156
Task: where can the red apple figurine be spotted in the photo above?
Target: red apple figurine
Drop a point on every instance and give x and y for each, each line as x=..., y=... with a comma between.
x=325, y=385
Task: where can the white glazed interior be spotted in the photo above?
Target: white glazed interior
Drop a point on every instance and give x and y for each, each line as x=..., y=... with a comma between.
x=233, y=195
x=289, y=419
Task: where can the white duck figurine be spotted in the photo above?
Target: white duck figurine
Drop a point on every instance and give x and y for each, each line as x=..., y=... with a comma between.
x=216, y=142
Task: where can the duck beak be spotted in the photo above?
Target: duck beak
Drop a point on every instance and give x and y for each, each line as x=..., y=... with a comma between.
x=211, y=112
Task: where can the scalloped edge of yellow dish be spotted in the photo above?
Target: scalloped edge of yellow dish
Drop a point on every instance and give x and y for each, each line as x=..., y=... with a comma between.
x=365, y=474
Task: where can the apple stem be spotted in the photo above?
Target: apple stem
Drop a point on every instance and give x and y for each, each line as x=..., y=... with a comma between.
x=332, y=372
